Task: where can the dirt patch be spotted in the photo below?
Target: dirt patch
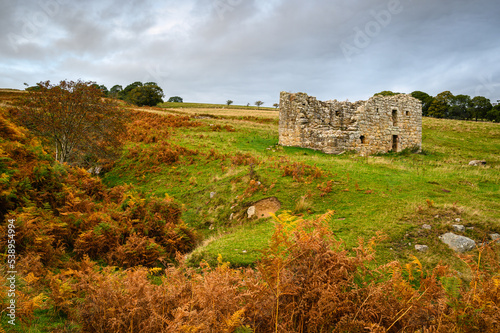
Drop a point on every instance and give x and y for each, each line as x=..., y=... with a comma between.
x=264, y=207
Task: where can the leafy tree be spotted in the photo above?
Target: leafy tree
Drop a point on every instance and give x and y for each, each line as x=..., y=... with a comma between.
x=75, y=119
x=115, y=91
x=460, y=107
x=445, y=97
x=125, y=92
x=480, y=107
x=175, y=99
x=494, y=114
x=149, y=94
x=33, y=88
x=440, y=107
x=229, y=102
x=259, y=103
x=104, y=90
x=276, y=105
x=425, y=98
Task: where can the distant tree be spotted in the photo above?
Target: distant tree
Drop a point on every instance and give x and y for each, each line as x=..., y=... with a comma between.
x=248, y=104
x=229, y=102
x=149, y=94
x=386, y=93
x=259, y=103
x=440, y=107
x=276, y=105
x=33, y=88
x=104, y=90
x=445, y=97
x=425, y=98
x=75, y=119
x=480, y=107
x=460, y=107
x=494, y=114
x=115, y=91
x=175, y=99
x=126, y=91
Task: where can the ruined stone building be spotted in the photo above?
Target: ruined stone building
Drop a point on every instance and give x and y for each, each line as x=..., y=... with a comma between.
x=379, y=125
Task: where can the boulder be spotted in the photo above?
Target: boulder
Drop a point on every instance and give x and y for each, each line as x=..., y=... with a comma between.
x=251, y=211
x=458, y=228
x=495, y=237
x=421, y=248
x=457, y=243
x=477, y=162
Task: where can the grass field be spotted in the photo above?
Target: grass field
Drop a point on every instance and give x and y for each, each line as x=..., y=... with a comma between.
x=172, y=105
x=391, y=193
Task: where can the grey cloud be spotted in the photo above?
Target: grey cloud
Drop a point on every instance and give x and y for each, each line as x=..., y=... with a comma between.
x=246, y=50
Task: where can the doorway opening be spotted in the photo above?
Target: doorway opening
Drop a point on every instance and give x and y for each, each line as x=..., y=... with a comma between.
x=394, y=143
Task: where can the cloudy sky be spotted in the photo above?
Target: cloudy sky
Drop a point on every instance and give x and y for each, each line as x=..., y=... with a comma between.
x=249, y=50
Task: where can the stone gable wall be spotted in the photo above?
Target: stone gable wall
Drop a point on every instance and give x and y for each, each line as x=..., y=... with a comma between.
x=378, y=125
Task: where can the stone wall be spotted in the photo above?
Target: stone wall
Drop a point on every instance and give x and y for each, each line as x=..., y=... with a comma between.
x=378, y=125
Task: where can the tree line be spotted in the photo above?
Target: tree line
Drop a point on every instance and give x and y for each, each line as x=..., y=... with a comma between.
x=138, y=93
x=446, y=105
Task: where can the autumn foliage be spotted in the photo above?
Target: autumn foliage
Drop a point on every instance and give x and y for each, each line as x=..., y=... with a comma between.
x=61, y=211
x=75, y=120
x=111, y=259
x=306, y=282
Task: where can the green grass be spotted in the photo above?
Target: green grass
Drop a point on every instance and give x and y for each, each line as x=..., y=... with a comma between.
x=387, y=193
x=172, y=105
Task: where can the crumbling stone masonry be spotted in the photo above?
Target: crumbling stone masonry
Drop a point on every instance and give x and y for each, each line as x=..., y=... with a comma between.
x=379, y=125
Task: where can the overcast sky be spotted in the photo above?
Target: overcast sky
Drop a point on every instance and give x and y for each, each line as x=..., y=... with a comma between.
x=249, y=50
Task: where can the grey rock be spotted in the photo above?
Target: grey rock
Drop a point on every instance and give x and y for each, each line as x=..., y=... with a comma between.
x=495, y=237
x=251, y=211
x=457, y=219
x=427, y=226
x=477, y=162
x=95, y=170
x=458, y=228
x=212, y=194
x=457, y=243
x=421, y=248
